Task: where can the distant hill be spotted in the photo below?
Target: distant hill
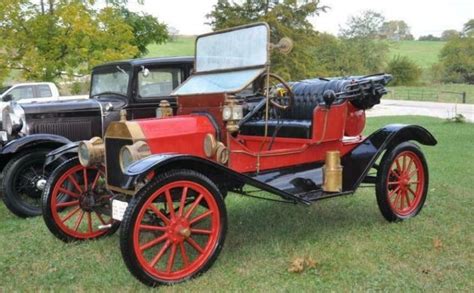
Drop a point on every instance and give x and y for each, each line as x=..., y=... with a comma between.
x=425, y=53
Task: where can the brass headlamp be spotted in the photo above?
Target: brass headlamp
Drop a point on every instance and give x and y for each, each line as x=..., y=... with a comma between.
x=232, y=113
x=132, y=153
x=91, y=152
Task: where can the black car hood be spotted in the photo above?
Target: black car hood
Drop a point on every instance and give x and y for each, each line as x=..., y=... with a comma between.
x=79, y=105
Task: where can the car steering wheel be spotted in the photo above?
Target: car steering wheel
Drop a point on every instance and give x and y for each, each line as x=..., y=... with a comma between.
x=279, y=91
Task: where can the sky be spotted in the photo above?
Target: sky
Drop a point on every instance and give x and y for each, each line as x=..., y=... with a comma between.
x=423, y=16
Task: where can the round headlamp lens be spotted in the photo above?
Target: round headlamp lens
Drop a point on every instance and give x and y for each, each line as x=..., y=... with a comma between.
x=226, y=113
x=126, y=158
x=84, y=154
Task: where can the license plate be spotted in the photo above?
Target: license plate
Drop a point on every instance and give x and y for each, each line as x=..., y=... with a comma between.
x=118, y=209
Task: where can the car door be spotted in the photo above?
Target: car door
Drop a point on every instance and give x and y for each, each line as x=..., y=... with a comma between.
x=152, y=85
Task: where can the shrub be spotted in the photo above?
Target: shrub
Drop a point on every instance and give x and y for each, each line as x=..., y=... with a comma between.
x=457, y=58
x=404, y=71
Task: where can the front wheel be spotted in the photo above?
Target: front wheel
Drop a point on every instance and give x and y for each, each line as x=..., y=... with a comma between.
x=76, y=203
x=402, y=182
x=174, y=228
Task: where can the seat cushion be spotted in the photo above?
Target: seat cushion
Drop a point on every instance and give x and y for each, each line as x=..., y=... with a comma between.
x=287, y=128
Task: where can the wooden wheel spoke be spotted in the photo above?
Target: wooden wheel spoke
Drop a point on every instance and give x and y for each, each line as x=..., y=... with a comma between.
x=89, y=222
x=86, y=184
x=160, y=253
x=410, y=162
x=410, y=175
x=171, y=258
x=407, y=198
x=159, y=214
x=195, y=245
x=403, y=163
x=393, y=182
x=100, y=218
x=152, y=228
x=169, y=200
x=79, y=221
x=68, y=192
x=182, y=202
x=193, y=206
x=184, y=256
x=395, y=191
x=399, y=168
x=71, y=213
x=201, y=231
x=67, y=204
x=153, y=242
x=74, y=182
x=200, y=217
x=412, y=192
x=96, y=179
x=413, y=182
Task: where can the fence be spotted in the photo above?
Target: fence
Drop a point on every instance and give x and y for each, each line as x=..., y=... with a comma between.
x=426, y=94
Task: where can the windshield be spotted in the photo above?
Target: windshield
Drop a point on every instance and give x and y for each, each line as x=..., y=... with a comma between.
x=4, y=89
x=111, y=80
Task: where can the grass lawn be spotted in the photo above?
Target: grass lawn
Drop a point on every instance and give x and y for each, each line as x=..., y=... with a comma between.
x=448, y=93
x=182, y=46
x=424, y=53
x=354, y=247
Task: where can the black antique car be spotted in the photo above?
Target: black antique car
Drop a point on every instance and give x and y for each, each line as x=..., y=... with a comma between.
x=31, y=131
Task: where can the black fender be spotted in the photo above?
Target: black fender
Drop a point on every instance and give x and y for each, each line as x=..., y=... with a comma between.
x=218, y=173
x=69, y=150
x=362, y=158
x=33, y=140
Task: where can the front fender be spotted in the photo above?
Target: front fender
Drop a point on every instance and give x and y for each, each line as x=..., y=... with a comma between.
x=33, y=140
x=54, y=155
x=362, y=158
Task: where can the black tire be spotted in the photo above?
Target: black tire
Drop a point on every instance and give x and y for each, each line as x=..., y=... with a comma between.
x=399, y=186
x=140, y=200
x=50, y=216
x=20, y=175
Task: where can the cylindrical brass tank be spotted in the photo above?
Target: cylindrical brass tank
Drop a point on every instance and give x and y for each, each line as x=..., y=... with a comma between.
x=332, y=172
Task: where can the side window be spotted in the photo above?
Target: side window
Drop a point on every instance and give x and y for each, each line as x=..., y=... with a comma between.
x=22, y=92
x=44, y=91
x=158, y=82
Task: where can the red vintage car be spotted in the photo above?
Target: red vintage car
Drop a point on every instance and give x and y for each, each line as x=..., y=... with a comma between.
x=165, y=179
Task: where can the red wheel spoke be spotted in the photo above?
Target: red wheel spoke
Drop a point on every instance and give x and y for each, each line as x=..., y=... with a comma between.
x=78, y=221
x=393, y=182
x=397, y=163
x=195, y=245
x=183, y=201
x=201, y=231
x=169, y=266
x=68, y=192
x=200, y=217
x=94, y=183
x=153, y=242
x=86, y=184
x=412, y=192
x=160, y=253
x=392, y=172
x=184, y=256
x=152, y=228
x=402, y=195
x=403, y=163
x=89, y=222
x=67, y=204
x=397, y=198
x=100, y=218
x=71, y=213
x=193, y=206
x=169, y=200
x=394, y=191
x=74, y=182
x=159, y=214
x=407, y=198
x=413, y=182
x=410, y=162
x=412, y=173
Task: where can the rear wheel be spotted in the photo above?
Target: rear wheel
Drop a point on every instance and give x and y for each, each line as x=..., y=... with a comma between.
x=21, y=175
x=402, y=182
x=174, y=228
x=76, y=203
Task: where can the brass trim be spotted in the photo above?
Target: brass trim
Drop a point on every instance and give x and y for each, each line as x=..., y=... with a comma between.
x=210, y=145
x=332, y=172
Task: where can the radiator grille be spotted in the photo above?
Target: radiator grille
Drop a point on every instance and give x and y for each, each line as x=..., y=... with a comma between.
x=72, y=129
x=115, y=177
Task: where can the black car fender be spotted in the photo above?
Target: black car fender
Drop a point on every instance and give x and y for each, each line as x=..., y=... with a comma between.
x=221, y=175
x=362, y=158
x=66, y=151
x=33, y=140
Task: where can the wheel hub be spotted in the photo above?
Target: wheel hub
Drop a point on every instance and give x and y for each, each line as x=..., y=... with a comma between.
x=179, y=230
x=87, y=201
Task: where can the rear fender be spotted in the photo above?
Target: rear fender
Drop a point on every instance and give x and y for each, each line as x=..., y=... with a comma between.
x=34, y=140
x=219, y=174
x=362, y=158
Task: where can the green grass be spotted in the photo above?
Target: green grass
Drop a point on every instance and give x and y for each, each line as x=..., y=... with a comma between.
x=354, y=247
x=424, y=53
x=182, y=46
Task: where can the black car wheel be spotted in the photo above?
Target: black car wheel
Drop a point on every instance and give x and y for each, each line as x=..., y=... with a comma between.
x=20, y=177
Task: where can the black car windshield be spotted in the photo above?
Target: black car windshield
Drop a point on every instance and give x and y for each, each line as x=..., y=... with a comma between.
x=112, y=80
x=4, y=89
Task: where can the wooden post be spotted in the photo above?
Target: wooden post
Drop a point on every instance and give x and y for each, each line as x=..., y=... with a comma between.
x=464, y=97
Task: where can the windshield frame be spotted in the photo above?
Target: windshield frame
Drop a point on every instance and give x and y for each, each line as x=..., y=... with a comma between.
x=4, y=89
x=108, y=69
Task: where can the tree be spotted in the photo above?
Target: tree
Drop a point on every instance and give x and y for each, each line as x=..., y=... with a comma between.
x=457, y=59
x=287, y=18
x=365, y=25
x=45, y=40
x=468, y=29
x=449, y=34
x=395, y=30
x=429, y=37
x=404, y=71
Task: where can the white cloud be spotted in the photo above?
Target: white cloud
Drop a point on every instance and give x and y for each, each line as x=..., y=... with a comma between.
x=423, y=16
